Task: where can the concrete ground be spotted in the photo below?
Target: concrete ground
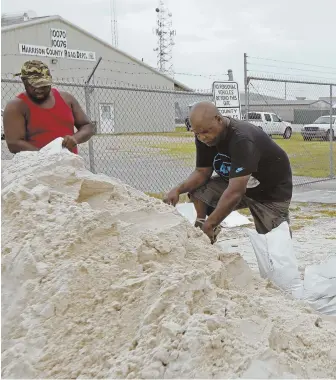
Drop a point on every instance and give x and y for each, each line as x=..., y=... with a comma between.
x=319, y=192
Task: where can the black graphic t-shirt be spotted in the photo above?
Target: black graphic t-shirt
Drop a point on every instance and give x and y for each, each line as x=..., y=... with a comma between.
x=247, y=150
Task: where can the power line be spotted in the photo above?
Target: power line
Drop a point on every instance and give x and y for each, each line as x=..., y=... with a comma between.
x=293, y=68
x=295, y=63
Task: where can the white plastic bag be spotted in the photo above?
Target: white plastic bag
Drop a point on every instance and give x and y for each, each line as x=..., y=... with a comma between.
x=233, y=220
x=54, y=147
x=320, y=286
x=276, y=258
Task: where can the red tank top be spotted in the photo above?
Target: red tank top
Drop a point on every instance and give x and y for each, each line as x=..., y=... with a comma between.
x=47, y=124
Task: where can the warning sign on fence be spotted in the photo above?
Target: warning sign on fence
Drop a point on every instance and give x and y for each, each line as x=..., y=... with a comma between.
x=227, y=99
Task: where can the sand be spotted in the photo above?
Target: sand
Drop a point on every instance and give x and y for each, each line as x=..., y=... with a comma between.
x=99, y=280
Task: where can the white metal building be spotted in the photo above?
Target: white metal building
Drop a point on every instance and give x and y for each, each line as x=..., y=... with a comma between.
x=72, y=53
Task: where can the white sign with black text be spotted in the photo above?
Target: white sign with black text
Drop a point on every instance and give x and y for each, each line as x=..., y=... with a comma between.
x=58, y=48
x=41, y=51
x=58, y=38
x=80, y=54
x=227, y=99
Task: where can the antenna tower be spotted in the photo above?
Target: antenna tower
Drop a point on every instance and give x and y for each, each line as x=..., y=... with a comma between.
x=114, y=23
x=165, y=39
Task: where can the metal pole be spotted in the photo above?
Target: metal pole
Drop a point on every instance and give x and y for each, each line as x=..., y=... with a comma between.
x=87, y=90
x=93, y=70
x=88, y=112
x=331, y=134
x=230, y=75
x=246, y=88
x=285, y=90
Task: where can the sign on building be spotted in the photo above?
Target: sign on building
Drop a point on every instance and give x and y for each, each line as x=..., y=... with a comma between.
x=41, y=51
x=58, y=38
x=227, y=99
x=58, y=48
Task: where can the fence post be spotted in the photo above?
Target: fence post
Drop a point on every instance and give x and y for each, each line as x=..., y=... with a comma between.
x=88, y=112
x=246, y=88
x=331, y=134
x=88, y=90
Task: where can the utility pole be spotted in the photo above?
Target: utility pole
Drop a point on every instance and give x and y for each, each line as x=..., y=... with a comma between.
x=114, y=23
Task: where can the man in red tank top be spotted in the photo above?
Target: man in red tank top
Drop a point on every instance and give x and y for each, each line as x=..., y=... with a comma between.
x=41, y=114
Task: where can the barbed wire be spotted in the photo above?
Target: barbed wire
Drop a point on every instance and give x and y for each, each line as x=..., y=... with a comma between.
x=292, y=76
x=133, y=64
x=113, y=86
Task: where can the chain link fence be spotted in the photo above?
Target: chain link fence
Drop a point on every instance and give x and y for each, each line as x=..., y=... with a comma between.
x=141, y=137
x=301, y=118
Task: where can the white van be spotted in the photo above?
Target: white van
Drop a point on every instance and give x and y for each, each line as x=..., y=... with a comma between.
x=270, y=123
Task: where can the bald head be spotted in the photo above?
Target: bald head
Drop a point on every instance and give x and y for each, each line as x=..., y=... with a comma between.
x=203, y=112
x=207, y=123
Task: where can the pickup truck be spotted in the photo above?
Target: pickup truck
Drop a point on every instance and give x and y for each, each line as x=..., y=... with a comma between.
x=270, y=123
x=320, y=129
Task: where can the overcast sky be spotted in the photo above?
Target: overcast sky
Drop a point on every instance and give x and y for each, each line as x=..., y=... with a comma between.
x=212, y=35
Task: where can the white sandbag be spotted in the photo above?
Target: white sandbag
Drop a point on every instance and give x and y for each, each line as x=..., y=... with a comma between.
x=235, y=219
x=320, y=286
x=54, y=147
x=276, y=258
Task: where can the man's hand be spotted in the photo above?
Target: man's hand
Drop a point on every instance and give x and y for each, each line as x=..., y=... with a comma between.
x=69, y=142
x=172, y=197
x=208, y=229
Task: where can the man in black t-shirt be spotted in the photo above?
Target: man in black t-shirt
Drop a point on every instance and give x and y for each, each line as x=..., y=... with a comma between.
x=251, y=171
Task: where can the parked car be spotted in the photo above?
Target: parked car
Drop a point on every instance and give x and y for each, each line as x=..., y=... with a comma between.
x=270, y=123
x=2, y=128
x=320, y=129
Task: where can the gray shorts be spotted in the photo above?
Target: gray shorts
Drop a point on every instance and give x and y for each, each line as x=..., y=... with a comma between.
x=266, y=215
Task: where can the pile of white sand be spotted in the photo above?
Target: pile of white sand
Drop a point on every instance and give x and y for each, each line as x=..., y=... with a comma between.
x=99, y=280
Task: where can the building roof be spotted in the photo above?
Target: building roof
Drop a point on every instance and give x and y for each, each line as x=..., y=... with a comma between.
x=20, y=23
x=17, y=18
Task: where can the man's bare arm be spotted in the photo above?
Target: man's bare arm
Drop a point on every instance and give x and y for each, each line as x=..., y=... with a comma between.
x=229, y=200
x=196, y=179
x=82, y=122
x=15, y=128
